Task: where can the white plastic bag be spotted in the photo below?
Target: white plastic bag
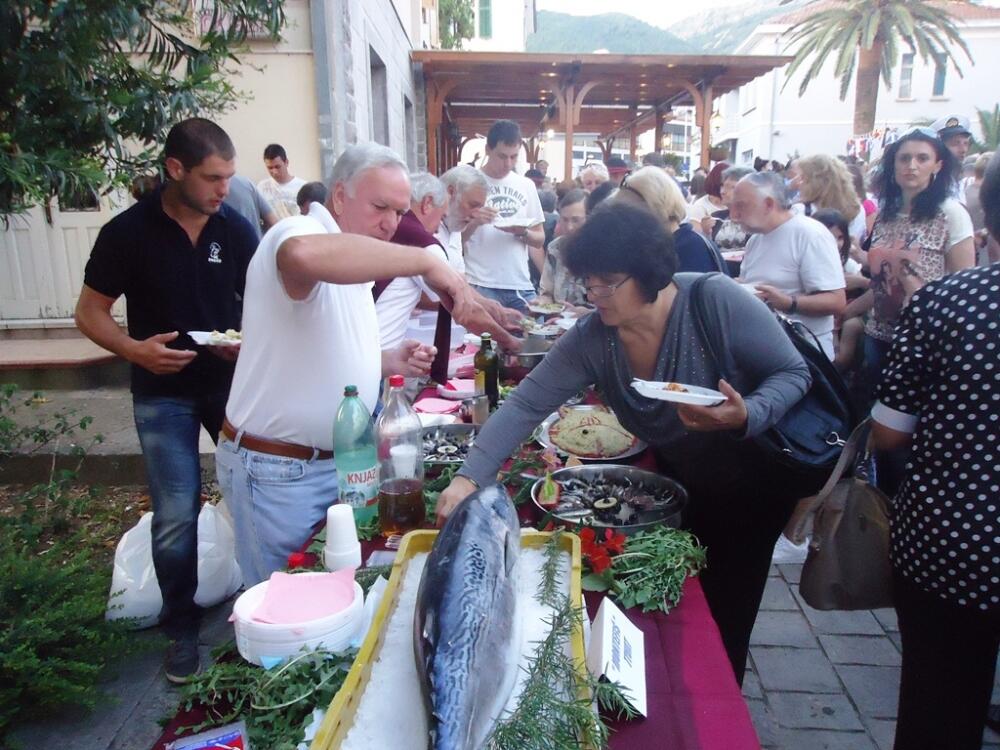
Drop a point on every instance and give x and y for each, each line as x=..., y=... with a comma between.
x=135, y=592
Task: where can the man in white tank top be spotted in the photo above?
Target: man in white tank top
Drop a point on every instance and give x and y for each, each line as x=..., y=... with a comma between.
x=309, y=329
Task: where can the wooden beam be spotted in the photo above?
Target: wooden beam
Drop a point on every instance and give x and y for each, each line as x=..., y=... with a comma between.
x=706, y=126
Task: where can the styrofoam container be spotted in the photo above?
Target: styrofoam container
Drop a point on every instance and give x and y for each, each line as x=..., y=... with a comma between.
x=260, y=642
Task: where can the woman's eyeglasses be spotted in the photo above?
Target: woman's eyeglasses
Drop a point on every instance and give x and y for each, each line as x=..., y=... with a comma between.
x=602, y=291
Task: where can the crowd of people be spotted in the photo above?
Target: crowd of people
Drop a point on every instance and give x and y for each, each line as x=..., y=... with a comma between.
x=875, y=261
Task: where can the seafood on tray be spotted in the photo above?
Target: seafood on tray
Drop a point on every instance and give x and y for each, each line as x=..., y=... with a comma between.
x=444, y=445
x=605, y=500
x=466, y=633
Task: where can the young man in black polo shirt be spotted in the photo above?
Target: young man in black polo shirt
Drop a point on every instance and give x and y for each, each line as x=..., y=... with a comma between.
x=180, y=258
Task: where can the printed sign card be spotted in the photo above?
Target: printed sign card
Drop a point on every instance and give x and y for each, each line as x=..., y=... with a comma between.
x=617, y=653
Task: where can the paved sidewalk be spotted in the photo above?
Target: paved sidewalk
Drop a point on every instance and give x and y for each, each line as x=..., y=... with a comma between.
x=824, y=680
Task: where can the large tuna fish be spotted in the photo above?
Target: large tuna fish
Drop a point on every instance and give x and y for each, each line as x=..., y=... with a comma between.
x=466, y=631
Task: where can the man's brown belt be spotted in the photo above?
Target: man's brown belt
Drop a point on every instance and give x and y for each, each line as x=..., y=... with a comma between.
x=273, y=447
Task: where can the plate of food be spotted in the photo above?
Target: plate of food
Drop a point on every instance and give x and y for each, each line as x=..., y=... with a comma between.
x=591, y=433
x=229, y=337
x=679, y=393
x=514, y=222
x=545, y=331
x=624, y=498
x=546, y=308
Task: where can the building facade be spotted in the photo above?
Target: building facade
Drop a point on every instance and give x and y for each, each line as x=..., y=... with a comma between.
x=501, y=25
x=768, y=118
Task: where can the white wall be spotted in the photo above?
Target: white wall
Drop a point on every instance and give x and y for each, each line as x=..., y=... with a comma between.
x=509, y=28
x=775, y=122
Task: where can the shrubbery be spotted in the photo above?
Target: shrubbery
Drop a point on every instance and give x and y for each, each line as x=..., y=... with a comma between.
x=54, y=640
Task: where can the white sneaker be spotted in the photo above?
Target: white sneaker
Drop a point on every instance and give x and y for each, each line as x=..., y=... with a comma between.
x=786, y=551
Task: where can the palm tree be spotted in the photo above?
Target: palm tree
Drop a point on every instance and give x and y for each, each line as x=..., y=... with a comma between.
x=989, y=124
x=866, y=35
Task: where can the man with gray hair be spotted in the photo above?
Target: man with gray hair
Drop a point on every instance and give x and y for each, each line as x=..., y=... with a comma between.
x=309, y=331
x=791, y=262
x=467, y=192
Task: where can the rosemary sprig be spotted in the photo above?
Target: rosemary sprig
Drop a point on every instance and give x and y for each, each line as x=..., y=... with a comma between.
x=555, y=709
x=550, y=586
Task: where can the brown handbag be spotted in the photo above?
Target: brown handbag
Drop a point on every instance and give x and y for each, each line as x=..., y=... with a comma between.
x=847, y=566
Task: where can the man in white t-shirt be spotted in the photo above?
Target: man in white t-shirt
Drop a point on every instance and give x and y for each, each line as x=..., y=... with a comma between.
x=791, y=260
x=507, y=231
x=309, y=330
x=280, y=189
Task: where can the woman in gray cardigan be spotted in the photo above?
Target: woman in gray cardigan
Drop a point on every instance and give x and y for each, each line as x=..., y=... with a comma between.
x=643, y=327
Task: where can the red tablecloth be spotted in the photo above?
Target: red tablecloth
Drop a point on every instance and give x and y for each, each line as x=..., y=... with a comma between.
x=693, y=700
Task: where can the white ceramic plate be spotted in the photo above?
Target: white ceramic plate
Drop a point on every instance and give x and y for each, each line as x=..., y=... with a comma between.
x=566, y=323
x=212, y=338
x=546, y=331
x=541, y=435
x=733, y=255
x=693, y=394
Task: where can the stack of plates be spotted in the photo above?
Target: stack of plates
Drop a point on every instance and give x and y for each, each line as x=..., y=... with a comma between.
x=264, y=643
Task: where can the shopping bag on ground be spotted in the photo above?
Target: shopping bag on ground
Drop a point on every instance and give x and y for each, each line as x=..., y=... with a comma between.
x=135, y=592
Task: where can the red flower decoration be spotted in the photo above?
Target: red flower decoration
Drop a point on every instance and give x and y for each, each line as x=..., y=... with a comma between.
x=614, y=542
x=600, y=560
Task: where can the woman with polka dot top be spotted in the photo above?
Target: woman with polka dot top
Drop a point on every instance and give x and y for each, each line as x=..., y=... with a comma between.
x=940, y=395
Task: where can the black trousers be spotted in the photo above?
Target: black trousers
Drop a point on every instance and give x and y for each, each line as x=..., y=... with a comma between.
x=949, y=656
x=739, y=504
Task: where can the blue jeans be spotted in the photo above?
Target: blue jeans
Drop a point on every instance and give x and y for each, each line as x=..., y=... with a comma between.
x=168, y=433
x=513, y=298
x=274, y=501
x=890, y=466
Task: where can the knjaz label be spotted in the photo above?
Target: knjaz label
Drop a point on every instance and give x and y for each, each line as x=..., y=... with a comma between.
x=362, y=477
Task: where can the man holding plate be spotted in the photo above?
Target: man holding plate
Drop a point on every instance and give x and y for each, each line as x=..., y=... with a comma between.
x=503, y=234
x=180, y=258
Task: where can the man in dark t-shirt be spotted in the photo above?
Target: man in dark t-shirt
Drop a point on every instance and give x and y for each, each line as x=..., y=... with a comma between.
x=179, y=256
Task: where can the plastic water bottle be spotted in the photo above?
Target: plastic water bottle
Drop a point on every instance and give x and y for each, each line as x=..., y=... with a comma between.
x=354, y=450
x=400, y=463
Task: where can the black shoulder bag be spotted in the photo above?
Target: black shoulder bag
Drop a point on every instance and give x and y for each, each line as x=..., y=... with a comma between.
x=810, y=436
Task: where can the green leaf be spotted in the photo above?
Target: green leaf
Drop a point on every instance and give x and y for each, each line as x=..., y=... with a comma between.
x=594, y=582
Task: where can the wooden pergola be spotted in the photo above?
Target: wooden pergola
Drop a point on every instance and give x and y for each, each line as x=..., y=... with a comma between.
x=611, y=96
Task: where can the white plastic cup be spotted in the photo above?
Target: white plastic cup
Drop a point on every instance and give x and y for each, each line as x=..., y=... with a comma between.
x=404, y=460
x=342, y=548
